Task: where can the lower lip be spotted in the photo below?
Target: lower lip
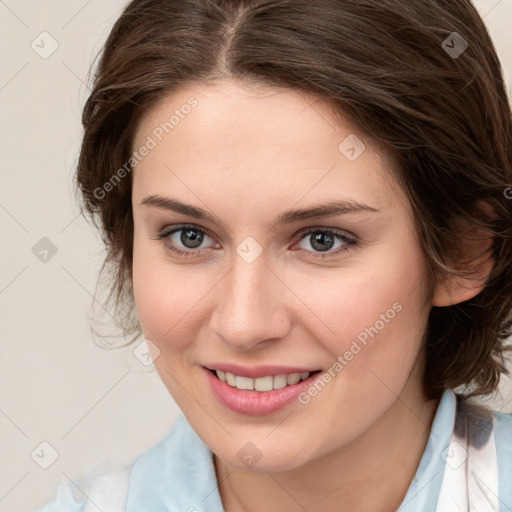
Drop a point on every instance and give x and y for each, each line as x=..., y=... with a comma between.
x=257, y=403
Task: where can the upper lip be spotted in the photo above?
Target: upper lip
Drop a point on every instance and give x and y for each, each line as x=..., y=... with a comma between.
x=258, y=371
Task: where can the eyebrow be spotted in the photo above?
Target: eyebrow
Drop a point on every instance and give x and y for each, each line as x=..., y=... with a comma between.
x=288, y=217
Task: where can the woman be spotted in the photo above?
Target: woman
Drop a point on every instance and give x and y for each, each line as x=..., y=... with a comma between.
x=305, y=211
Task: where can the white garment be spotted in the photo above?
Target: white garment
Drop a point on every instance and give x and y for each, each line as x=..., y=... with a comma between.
x=470, y=481
x=108, y=492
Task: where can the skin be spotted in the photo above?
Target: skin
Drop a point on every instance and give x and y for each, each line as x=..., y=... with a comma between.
x=246, y=154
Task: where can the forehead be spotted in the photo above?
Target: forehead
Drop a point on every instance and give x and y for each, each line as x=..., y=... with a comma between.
x=267, y=140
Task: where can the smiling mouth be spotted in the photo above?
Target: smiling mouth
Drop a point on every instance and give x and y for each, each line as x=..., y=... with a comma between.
x=262, y=384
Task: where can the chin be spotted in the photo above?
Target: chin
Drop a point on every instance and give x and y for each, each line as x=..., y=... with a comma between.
x=263, y=456
x=269, y=463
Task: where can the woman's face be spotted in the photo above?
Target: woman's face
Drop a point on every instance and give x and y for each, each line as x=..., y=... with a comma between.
x=235, y=270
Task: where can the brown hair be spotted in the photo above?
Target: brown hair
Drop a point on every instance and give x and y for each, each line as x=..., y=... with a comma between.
x=392, y=67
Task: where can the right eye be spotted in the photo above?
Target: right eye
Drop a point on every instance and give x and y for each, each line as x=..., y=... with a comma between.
x=184, y=240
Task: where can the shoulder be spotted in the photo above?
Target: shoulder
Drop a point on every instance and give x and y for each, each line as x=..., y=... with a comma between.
x=503, y=436
x=504, y=421
x=108, y=487
x=103, y=485
x=487, y=427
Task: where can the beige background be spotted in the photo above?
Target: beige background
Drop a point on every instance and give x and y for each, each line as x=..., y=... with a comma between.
x=56, y=386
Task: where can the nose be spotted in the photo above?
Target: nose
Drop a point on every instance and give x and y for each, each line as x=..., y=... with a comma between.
x=251, y=308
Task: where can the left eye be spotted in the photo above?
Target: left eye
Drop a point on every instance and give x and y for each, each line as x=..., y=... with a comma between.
x=191, y=238
x=323, y=240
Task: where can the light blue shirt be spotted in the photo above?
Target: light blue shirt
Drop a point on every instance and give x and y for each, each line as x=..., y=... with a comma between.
x=178, y=474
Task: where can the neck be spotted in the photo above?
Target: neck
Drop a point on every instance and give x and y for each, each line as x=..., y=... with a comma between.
x=371, y=473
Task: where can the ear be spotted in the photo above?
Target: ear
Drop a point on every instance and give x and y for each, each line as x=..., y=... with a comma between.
x=475, y=256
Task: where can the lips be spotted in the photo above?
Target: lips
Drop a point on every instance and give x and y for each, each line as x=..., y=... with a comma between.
x=243, y=398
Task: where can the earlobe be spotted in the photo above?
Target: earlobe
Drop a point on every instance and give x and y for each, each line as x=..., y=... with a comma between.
x=476, y=262
x=454, y=289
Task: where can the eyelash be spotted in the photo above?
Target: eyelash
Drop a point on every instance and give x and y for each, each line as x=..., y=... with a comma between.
x=348, y=241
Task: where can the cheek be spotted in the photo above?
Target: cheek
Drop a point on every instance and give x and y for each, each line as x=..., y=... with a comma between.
x=376, y=318
x=167, y=298
x=165, y=295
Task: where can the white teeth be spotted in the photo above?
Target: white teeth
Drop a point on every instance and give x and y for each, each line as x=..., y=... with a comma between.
x=280, y=381
x=261, y=383
x=264, y=384
x=293, y=378
x=244, y=383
